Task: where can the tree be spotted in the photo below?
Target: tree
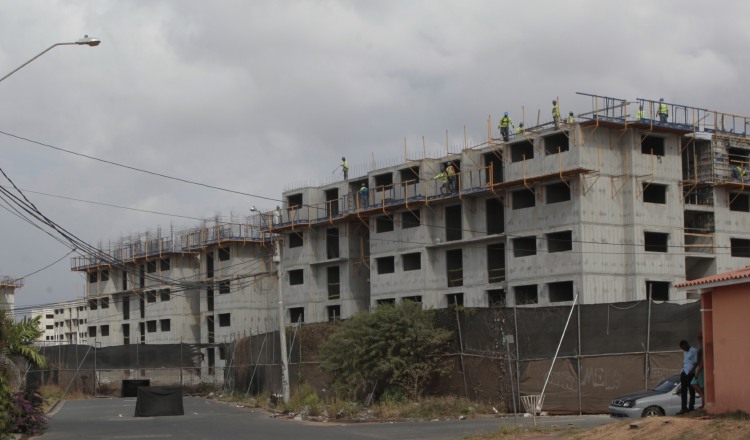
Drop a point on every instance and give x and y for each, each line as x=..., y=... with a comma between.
x=16, y=340
x=397, y=345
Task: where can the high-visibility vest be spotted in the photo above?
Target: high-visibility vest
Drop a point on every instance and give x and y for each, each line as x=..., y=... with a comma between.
x=663, y=109
x=443, y=177
x=345, y=166
x=641, y=114
x=450, y=171
x=520, y=130
x=505, y=122
x=571, y=120
x=556, y=111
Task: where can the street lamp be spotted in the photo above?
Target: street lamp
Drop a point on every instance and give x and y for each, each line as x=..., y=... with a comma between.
x=85, y=41
x=282, y=328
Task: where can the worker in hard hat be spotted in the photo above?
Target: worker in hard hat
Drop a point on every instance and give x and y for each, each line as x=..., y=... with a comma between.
x=363, y=193
x=504, y=126
x=444, y=181
x=555, y=112
x=641, y=115
x=450, y=171
x=521, y=129
x=663, y=111
x=345, y=168
x=571, y=118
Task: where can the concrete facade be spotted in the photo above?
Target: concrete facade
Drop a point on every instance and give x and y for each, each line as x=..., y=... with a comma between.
x=607, y=209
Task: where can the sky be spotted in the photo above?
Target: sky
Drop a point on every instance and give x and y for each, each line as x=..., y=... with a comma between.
x=259, y=96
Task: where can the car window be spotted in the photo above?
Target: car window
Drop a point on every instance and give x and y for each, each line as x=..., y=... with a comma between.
x=665, y=386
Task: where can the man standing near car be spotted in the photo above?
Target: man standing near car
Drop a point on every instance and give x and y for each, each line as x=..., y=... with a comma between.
x=689, y=361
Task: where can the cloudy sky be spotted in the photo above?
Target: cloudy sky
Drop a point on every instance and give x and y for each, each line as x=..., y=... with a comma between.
x=254, y=96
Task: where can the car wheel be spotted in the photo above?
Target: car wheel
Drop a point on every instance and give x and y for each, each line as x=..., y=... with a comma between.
x=652, y=411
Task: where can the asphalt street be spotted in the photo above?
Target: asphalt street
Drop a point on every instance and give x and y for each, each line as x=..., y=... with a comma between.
x=112, y=419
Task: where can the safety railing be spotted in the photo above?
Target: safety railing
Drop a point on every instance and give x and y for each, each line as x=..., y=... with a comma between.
x=698, y=241
x=7, y=281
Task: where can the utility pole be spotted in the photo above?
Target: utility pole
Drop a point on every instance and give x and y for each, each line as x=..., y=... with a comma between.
x=282, y=327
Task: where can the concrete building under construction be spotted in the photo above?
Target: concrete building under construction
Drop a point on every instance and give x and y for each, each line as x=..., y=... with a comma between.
x=606, y=208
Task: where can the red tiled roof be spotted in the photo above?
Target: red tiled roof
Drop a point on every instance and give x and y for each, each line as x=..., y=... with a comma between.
x=718, y=278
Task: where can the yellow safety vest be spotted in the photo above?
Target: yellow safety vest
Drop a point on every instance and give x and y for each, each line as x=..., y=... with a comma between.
x=505, y=122
x=556, y=111
x=641, y=114
x=345, y=166
x=663, y=109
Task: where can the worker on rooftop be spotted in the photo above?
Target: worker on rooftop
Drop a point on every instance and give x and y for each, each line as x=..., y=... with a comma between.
x=504, y=126
x=363, y=193
x=641, y=115
x=444, y=181
x=450, y=170
x=555, y=112
x=663, y=111
x=520, y=129
x=277, y=215
x=345, y=168
x=571, y=118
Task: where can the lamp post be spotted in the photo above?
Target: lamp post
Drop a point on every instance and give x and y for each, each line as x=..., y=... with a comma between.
x=85, y=41
x=282, y=328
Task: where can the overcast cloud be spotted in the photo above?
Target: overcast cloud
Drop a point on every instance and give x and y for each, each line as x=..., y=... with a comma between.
x=257, y=95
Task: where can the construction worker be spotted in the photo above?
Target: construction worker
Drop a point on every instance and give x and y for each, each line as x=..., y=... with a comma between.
x=571, y=118
x=739, y=173
x=641, y=115
x=450, y=171
x=276, y=218
x=345, y=167
x=520, y=129
x=443, y=177
x=663, y=111
x=504, y=125
x=555, y=112
x=363, y=193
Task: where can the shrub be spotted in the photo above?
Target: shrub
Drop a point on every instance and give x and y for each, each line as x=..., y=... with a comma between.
x=27, y=415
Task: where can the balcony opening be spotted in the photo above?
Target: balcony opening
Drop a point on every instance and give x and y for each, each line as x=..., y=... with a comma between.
x=386, y=302
x=652, y=145
x=657, y=290
x=385, y=265
x=164, y=295
x=453, y=227
x=125, y=307
x=164, y=264
x=496, y=263
x=560, y=291
x=520, y=151
x=557, y=143
x=559, y=241
x=525, y=198
x=455, y=267
x=151, y=296
x=224, y=254
x=210, y=300
x=416, y=299
x=654, y=193
x=93, y=277
x=494, y=163
x=332, y=202
x=225, y=287
x=656, y=241
x=495, y=216
x=126, y=334
x=557, y=192
x=151, y=326
x=524, y=246
x=151, y=266
x=209, y=265
x=334, y=282
x=211, y=333
x=332, y=243
x=526, y=295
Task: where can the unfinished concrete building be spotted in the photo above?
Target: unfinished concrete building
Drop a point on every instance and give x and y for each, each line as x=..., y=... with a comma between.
x=8, y=286
x=607, y=207
x=200, y=285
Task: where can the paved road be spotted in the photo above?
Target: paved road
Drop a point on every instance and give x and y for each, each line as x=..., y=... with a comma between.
x=112, y=419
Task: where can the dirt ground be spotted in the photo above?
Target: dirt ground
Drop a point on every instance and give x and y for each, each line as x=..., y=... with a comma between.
x=699, y=427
